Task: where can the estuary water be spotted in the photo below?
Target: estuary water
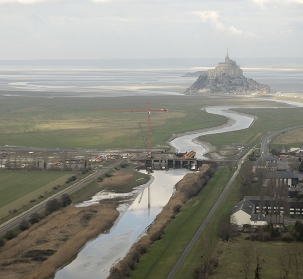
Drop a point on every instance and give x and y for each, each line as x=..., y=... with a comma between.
x=99, y=78
x=189, y=142
x=97, y=257
x=102, y=79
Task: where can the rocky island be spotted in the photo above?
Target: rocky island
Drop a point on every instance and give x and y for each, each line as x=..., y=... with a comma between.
x=226, y=78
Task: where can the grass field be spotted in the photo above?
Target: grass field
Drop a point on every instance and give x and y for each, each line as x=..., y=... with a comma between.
x=268, y=120
x=104, y=122
x=231, y=256
x=18, y=188
x=163, y=254
x=293, y=137
x=209, y=238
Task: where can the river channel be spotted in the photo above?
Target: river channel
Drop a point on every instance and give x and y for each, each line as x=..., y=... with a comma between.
x=97, y=257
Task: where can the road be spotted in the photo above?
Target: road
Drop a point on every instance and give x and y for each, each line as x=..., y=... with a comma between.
x=266, y=140
x=41, y=206
x=206, y=220
x=264, y=152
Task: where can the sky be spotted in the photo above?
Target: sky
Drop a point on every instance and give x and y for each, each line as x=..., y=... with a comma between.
x=98, y=29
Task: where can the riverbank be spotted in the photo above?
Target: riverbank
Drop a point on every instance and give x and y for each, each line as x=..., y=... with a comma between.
x=188, y=187
x=39, y=251
x=48, y=245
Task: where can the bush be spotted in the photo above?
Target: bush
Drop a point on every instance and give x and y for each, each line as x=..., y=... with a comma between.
x=2, y=242
x=24, y=225
x=51, y=206
x=177, y=208
x=108, y=175
x=156, y=236
x=142, y=249
x=287, y=237
x=10, y=235
x=65, y=200
x=71, y=179
x=34, y=218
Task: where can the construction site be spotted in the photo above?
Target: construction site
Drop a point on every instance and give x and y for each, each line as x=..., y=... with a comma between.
x=59, y=159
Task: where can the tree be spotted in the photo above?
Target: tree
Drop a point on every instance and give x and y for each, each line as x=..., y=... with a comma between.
x=225, y=227
x=298, y=231
x=297, y=259
x=2, y=242
x=246, y=257
x=65, y=200
x=34, y=218
x=285, y=262
x=259, y=264
x=24, y=225
x=52, y=206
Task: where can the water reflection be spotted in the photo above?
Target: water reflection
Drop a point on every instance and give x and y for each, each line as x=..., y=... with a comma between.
x=97, y=257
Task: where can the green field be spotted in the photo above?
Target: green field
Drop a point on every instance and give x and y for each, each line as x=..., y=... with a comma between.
x=268, y=120
x=104, y=123
x=163, y=254
x=18, y=188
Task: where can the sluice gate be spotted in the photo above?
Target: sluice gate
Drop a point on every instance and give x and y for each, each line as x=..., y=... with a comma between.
x=164, y=164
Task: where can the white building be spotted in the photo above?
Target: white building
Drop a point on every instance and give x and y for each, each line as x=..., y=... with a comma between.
x=244, y=214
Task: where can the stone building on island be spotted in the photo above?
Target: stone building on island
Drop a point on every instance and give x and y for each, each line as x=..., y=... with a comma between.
x=226, y=78
x=227, y=68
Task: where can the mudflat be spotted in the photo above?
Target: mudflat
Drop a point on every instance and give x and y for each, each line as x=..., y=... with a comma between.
x=46, y=246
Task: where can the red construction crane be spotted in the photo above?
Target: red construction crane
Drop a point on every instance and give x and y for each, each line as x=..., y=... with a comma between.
x=148, y=111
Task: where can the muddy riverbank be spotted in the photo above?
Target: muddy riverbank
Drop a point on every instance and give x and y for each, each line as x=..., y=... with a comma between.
x=39, y=251
x=48, y=245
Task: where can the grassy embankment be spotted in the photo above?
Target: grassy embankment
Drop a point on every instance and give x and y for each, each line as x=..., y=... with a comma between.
x=163, y=254
x=267, y=120
x=19, y=188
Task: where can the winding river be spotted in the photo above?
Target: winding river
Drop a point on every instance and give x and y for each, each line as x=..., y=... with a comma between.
x=97, y=257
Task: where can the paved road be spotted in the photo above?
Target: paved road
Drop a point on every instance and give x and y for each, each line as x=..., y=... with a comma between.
x=41, y=206
x=266, y=140
x=208, y=217
x=264, y=152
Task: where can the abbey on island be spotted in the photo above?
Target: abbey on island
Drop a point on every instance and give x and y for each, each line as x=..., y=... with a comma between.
x=226, y=78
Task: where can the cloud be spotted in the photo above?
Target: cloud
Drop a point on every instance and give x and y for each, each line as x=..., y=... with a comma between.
x=21, y=1
x=297, y=1
x=237, y=32
x=108, y=1
x=211, y=17
x=262, y=3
